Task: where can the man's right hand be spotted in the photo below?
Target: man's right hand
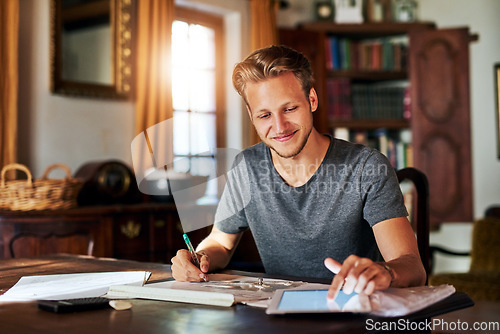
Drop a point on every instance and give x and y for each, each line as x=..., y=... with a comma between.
x=184, y=270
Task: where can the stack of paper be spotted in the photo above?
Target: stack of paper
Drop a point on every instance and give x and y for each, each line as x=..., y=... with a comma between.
x=67, y=286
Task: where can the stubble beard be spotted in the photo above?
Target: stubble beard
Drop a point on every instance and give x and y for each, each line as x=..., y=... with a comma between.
x=297, y=151
x=293, y=153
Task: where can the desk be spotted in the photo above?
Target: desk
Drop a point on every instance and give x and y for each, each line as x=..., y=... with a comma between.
x=162, y=317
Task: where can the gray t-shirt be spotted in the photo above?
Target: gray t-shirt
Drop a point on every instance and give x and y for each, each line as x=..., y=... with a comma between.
x=296, y=228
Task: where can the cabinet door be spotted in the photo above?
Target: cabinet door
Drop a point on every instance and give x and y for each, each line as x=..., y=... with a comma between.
x=439, y=74
x=131, y=237
x=34, y=235
x=158, y=230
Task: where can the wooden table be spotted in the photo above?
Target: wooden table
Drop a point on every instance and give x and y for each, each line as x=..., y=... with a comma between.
x=483, y=313
x=165, y=317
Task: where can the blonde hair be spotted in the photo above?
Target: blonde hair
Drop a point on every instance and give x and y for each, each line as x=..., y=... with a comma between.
x=271, y=62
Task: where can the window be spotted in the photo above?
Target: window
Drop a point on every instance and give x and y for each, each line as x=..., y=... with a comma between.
x=197, y=92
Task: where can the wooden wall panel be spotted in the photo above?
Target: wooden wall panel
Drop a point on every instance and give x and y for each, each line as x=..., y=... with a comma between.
x=439, y=70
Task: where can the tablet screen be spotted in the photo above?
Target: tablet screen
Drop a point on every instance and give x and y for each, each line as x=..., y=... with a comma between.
x=314, y=301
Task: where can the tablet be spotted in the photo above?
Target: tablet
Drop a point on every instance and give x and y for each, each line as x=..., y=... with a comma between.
x=314, y=301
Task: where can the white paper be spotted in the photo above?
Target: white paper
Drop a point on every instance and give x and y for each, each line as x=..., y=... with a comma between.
x=245, y=289
x=67, y=286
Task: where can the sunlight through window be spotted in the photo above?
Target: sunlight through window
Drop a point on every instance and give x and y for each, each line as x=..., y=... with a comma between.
x=194, y=99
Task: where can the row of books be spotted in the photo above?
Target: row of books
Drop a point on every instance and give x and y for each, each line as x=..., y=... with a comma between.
x=366, y=101
x=372, y=101
x=394, y=144
x=382, y=54
x=338, y=92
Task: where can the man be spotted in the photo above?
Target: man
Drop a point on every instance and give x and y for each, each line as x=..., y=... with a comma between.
x=318, y=204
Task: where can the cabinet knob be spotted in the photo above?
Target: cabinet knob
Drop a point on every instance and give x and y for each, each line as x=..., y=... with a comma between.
x=131, y=230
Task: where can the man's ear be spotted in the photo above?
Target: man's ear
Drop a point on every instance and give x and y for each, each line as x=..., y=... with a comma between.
x=313, y=99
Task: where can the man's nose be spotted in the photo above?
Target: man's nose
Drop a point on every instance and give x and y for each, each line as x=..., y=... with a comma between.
x=280, y=123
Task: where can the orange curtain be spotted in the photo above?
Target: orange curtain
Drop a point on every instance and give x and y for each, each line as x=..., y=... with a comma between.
x=9, y=30
x=153, y=84
x=263, y=23
x=263, y=32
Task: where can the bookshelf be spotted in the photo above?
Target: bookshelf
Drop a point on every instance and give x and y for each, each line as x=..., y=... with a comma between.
x=363, y=79
x=431, y=83
x=366, y=30
x=365, y=124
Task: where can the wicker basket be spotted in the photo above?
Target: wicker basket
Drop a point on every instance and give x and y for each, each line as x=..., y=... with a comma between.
x=42, y=194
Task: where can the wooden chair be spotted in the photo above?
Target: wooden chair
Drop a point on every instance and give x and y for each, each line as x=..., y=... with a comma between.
x=246, y=256
x=420, y=211
x=493, y=211
x=482, y=281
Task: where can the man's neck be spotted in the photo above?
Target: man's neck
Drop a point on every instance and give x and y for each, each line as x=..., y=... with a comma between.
x=296, y=171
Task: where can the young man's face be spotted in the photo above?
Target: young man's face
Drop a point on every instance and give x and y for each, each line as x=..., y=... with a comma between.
x=281, y=113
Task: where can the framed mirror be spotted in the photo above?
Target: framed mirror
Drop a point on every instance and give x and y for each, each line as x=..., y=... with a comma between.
x=91, y=48
x=497, y=98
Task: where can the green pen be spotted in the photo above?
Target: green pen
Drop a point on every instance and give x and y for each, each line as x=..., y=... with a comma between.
x=194, y=257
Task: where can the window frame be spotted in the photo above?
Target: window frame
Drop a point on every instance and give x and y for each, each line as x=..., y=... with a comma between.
x=215, y=22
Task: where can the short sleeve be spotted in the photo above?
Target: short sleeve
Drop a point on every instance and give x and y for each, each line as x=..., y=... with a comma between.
x=382, y=197
x=230, y=215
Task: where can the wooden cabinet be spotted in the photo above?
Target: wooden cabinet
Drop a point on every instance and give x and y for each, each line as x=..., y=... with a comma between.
x=437, y=74
x=144, y=232
x=441, y=122
x=132, y=236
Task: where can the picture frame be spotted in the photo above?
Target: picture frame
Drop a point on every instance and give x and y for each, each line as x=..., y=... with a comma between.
x=348, y=11
x=378, y=10
x=497, y=96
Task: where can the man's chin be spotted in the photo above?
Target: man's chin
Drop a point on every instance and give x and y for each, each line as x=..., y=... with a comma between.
x=286, y=150
x=286, y=154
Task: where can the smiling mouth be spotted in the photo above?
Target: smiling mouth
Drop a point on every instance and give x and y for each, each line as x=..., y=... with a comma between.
x=286, y=137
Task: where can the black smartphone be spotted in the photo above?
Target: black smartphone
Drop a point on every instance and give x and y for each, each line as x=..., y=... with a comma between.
x=73, y=305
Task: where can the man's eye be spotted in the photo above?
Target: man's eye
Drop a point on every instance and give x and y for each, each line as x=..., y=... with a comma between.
x=290, y=109
x=263, y=116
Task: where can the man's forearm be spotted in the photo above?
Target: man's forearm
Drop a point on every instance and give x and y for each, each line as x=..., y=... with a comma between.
x=407, y=271
x=218, y=254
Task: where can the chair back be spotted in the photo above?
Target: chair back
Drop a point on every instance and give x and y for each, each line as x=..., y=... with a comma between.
x=421, y=211
x=485, y=251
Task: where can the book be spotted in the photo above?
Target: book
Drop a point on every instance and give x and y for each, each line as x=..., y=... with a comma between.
x=381, y=54
x=334, y=45
x=172, y=295
x=328, y=54
x=339, y=98
x=341, y=133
